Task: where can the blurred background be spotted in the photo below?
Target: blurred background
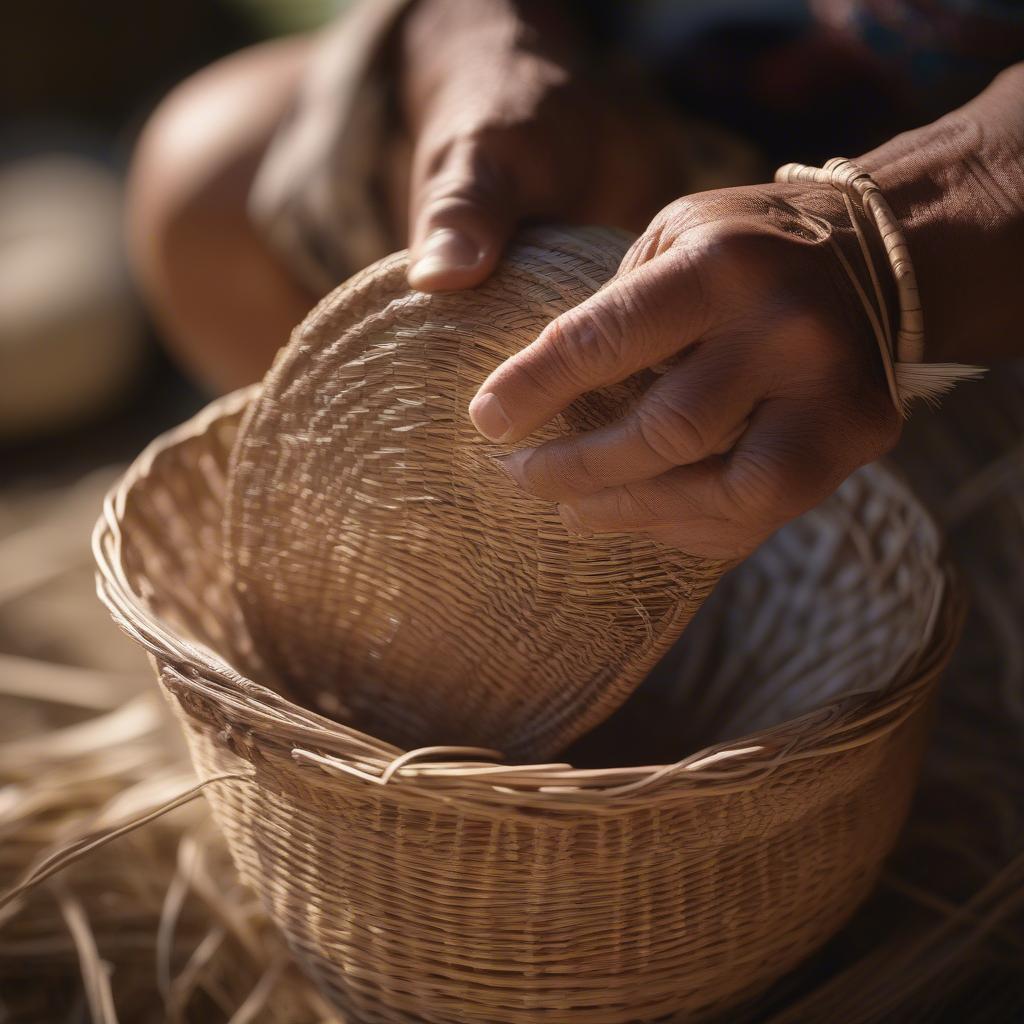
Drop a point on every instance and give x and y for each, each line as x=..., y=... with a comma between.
x=82, y=378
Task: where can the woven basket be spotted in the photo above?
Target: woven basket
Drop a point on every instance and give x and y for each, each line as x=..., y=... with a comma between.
x=392, y=574
x=420, y=887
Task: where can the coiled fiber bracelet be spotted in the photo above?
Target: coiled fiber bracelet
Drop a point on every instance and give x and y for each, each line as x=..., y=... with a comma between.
x=907, y=375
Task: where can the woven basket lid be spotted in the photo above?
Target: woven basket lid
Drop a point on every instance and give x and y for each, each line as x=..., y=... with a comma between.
x=391, y=574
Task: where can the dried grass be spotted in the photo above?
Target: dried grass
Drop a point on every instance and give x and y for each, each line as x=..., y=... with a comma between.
x=155, y=927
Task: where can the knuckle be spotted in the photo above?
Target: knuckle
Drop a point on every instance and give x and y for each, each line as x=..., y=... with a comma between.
x=436, y=155
x=624, y=513
x=619, y=511
x=684, y=214
x=563, y=350
x=771, y=490
x=670, y=430
x=539, y=375
x=464, y=167
x=748, y=260
x=601, y=339
x=632, y=509
x=576, y=473
x=652, y=243
x=583, y=348
x=446, y=195
x=500, y=135
x=451, y=193
x=559, y=471
x=733, y=250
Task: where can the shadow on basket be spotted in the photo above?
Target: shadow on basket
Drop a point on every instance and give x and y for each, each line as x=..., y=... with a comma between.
x=688, y=852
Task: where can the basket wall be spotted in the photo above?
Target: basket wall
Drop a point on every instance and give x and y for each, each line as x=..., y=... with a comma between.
x=403, y=910
x=467, y=892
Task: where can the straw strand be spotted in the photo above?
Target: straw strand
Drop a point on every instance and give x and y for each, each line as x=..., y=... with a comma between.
x=907, y=374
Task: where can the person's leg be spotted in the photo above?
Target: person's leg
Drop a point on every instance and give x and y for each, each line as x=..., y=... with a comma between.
x=224, y=301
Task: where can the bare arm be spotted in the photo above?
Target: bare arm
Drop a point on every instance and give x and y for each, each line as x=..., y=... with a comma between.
x=774, y=394
x=958, y=188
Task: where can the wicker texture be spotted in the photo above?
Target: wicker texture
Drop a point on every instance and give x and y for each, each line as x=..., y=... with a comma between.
x=394, y=575
x=460, y=892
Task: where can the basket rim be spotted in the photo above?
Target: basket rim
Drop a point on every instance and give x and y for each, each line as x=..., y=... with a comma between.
x=209, y=689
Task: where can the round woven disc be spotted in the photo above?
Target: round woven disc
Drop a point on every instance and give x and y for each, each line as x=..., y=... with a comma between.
x=389, y=571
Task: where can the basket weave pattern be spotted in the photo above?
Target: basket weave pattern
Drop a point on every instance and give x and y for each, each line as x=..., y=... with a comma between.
x=473, y=893
x=394, y=575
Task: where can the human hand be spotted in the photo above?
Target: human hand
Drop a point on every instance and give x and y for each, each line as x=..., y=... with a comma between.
x=773, y=392
x=508, y=125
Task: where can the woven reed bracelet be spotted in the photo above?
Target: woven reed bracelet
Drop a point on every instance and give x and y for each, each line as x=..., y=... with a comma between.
x=908, y=377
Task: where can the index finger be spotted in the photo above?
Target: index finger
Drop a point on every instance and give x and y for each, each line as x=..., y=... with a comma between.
x=636, y=321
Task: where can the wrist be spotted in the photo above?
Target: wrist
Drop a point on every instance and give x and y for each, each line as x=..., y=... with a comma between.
x=957, y=190
x=913, y=172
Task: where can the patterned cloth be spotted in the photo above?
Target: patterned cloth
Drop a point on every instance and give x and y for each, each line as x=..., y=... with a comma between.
x=806, y=79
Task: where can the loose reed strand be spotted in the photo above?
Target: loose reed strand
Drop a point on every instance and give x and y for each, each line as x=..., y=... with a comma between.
x=907, y=376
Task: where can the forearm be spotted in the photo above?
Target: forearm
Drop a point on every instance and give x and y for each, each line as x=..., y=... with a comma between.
x=440, y=35
x=957, y=187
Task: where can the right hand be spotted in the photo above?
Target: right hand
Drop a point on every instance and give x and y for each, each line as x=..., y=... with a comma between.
x=506, y=126
x=769, y=389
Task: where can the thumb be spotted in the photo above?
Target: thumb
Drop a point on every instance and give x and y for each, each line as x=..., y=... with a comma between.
x=463, y=211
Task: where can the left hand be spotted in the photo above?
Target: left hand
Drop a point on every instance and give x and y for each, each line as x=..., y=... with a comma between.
x=507, y=122
x=774, y=395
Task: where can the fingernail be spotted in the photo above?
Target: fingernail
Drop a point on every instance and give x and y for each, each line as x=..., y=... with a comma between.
x=515, y=465
x=444, y=250
x=572, y=522
x=489, y=417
